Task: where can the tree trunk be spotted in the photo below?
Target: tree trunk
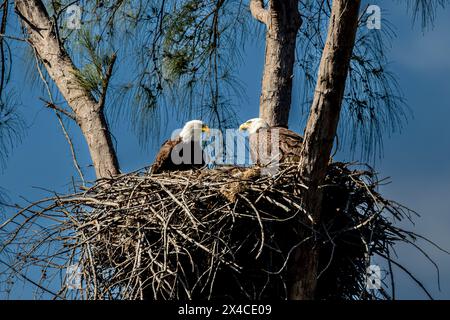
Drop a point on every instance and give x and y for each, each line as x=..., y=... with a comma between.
x=320, y=133
x=88, y=112
x=283, y=21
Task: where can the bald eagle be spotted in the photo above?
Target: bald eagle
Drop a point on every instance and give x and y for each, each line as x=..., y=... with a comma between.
x=184, y=152
x=271, y=145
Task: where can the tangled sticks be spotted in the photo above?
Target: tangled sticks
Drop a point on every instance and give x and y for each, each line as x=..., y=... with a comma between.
x=223, y=233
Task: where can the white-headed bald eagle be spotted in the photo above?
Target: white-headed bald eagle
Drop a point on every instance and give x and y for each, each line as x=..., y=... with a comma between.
x=269, y=145
x=183, y=152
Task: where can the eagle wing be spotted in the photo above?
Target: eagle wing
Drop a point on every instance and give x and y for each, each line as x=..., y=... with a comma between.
x=163, y=161
x=288, y=146
x=194, y=158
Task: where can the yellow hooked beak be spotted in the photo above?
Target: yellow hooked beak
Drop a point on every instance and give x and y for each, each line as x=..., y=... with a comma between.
x=205, y=128
x=244, y=126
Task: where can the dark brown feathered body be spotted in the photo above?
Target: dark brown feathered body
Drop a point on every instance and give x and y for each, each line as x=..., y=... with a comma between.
x=276, y=144
x=175, y=155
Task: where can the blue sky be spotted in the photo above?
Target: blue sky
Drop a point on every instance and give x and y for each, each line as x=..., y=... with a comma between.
x=417, y=160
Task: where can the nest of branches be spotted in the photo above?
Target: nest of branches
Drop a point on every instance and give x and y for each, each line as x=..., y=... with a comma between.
x=222, y=233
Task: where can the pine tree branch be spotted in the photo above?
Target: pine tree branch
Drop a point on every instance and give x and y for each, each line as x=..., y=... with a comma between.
x=58, y=112
x=105, y=82
x=51, y=105
x=63, y=71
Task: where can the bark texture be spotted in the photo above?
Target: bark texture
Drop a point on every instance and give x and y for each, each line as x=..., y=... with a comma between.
x=88, y=112
x=320, y=133
x=282, y=20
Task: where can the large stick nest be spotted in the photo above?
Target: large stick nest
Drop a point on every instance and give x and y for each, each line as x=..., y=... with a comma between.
x=206, y=234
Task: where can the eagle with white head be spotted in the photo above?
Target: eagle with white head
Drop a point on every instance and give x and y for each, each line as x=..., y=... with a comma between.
x=184, y=152
x=271, y=144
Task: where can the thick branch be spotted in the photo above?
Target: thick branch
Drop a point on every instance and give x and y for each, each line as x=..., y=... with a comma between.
x=283, y=22
x=61, y=69
x=320, y=132
x=2, y=47
x=325, y=110
x=258, y=11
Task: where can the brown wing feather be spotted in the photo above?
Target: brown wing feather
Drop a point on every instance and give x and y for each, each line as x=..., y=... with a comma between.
x=163, y=161
x=290, y=145
x=263, y=142
x=194, y=159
